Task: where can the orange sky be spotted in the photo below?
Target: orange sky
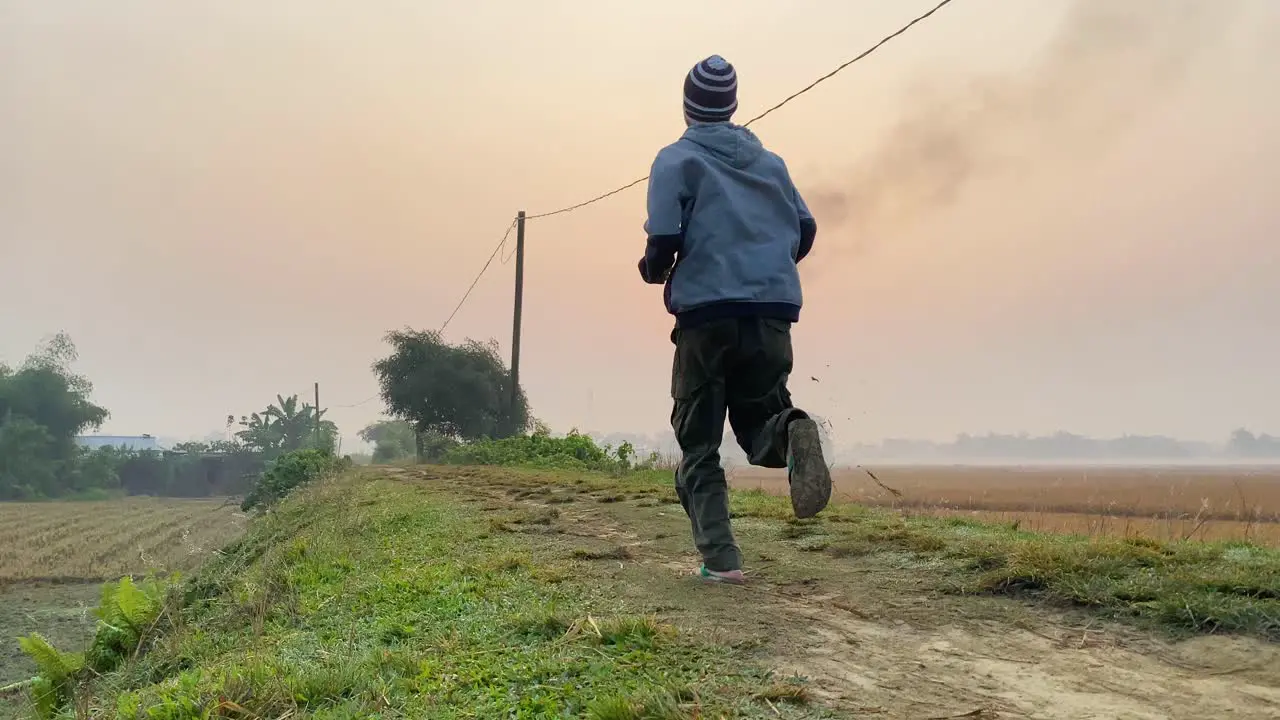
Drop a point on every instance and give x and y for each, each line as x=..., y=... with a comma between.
x=1032, y=216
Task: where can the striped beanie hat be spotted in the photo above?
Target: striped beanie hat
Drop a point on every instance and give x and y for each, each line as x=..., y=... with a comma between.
x=711, y=91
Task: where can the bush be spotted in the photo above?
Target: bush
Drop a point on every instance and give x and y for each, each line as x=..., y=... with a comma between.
x=572, y=452
x=289, y=471
x=434, y=447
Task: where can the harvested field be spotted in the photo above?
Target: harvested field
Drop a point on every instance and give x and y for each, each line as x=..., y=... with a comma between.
x=93, y=541
x=1209, y=503
x=54, y=556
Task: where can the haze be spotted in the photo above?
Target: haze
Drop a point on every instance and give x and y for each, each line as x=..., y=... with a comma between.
x=1033, y=216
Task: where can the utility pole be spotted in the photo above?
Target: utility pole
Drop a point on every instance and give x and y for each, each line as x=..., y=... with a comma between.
x=519, y=306
x=317, y=428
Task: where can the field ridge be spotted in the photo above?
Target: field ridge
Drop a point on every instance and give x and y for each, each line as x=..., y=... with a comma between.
x=497, y=592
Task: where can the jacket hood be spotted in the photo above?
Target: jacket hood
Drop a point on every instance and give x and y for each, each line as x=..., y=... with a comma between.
x=734, y=144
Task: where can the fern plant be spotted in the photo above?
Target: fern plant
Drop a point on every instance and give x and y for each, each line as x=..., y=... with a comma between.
x=126, y=612
x=54, y=685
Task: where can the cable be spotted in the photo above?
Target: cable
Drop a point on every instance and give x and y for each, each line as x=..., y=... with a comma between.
x=506, y=257
x=375, y=396
x=788, y=99
x=862, y=55
x=487, y=263
x=465, y=295
x=633, y=183
x=593, y=200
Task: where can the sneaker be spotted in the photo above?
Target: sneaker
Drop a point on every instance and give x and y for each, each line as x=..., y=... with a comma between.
x=732, y=577
x=807, y=470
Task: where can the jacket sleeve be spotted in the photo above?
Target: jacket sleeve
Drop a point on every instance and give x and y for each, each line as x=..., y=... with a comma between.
x=808, y=227
x=667, y=196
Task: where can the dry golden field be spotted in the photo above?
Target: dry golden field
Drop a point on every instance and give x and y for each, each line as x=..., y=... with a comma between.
x=1208, y=503
x=92, y=541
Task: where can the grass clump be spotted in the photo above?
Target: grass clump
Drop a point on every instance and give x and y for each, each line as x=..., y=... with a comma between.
x=1186, y=586
x=619, y=552
x=655, y=706
x=785, y=692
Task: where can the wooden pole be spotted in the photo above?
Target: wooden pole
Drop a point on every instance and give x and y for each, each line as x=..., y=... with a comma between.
x=519, y=307
x=317, y=428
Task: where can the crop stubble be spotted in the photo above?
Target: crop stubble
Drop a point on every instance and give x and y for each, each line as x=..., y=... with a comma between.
x=89, y=541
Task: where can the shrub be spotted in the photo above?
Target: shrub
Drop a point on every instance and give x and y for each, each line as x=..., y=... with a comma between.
x=541, y=450
x=288, y=472
x=434, y=447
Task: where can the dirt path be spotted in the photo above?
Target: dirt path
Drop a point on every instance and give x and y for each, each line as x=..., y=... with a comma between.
x=876, y=640
x=990, y=670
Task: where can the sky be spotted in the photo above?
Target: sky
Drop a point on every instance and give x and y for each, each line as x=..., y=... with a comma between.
x=1032, y=216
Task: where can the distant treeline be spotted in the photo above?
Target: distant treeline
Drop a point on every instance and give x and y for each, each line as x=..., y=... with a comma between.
x=44, y=406
x=1242, y=445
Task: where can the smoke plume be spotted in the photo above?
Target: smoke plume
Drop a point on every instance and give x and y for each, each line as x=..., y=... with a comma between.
x=1110, y=64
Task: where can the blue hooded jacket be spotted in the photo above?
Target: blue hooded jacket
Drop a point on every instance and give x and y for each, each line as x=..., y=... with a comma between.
x=725, y=218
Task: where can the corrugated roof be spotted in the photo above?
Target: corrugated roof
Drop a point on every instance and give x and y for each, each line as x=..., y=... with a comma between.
x=126, y=442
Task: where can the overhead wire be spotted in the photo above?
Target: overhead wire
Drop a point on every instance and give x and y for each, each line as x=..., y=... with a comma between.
x=467, y=294
x=497, y=248
x=570, y=208
x=369, y=399
x=883, y=41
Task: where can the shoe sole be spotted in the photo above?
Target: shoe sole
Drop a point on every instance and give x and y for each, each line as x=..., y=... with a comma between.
x=810, y=477
x=716, y=579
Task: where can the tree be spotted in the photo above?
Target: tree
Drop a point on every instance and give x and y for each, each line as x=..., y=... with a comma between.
x=1244, y=443
x=391, y=439
x=461, y=392
x=27, y=465
x=287, y=426
x=43, y=407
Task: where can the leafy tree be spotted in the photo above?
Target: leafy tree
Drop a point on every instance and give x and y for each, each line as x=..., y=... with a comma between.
x=43, y=406
x=46, y=391
x=260, y=433
x=1244, y=443
x=391, y=440
x=287, y=426
x=27, y=467
x=461, y=392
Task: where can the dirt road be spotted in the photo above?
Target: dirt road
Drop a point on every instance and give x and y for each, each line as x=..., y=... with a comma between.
x=878, y=638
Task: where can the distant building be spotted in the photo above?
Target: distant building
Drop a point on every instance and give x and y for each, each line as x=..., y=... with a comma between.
x=122, y=442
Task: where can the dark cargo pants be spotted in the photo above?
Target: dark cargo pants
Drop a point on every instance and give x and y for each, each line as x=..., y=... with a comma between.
x=737, y=366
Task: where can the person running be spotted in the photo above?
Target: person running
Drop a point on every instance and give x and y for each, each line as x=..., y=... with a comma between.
x=726, y=229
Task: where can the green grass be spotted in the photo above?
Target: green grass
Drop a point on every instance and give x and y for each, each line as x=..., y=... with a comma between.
x=365, y=597
x=1179, y=588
